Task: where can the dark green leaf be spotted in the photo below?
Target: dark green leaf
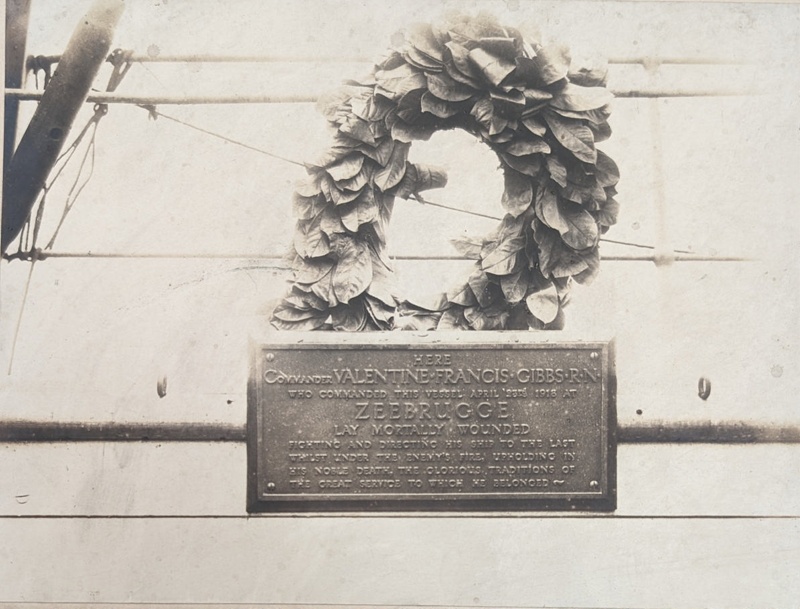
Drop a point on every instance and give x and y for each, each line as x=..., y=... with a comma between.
x=452, y=319
x=573, y=135
x=437, y=107
x=552, y=63
x=456, y=75
x=469, y=247
x=462, y=294
x=601, y=131
x=395, y=83
x=481, y=287
x=510, y=103
x=483, y=112
x=534, y=126
x=522, y=147
x=518, y=193
x=592, y=260
x=349, y=317
x=419, y=178
x=408, y=108
x=309, y=239
x=558, y=172
x=582, y=231
x=370, y=107
x=324, y=290
x=544, y=304
x=607, y=216
x=330, y=222
x=482, y=320
x=346, y=168
x=381, y=285
x=429, y=301
x=422, y=61
x=500, y=138
x=334, y=194
x=581, y=99
x=494, y=69
x=287, y=312
x=514, y=286
x=307, y=187
x=380, y=153
x=306, y=208
x=594, y=118
x=592, y=72
x=312, y=323
x=353, y=271
x=407, y=132
x=312, y=270
x=547, y=208
x=337, y=152
x=361, y=211
x=555, y=258
x=395, y=168
x=501, y=46
x=607, y=171
x=460, y=55
x=380, y=314
x=358, y=181
x=502, y=259
x=330, y=102
x=422, y=37
x=447, y=89
x=529, y=164
x=358, y=129
x=417, y=321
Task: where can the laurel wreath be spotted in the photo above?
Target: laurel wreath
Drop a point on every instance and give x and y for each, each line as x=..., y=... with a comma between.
x=538, y=115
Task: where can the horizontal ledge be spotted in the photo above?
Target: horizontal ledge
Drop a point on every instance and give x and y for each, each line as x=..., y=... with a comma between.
x=164, y=100
x=36, y=431
x=648, y=62
x=705, y=432
x=276, y=257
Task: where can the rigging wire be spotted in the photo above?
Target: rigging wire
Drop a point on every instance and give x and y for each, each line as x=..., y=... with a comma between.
x=122, y=64
x=154, y=112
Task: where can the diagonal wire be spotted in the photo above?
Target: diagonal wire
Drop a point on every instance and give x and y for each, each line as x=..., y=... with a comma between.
x=154, y=112
x=73, y=194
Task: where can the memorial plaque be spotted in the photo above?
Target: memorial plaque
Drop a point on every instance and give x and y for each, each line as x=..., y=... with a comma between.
x=490, y=422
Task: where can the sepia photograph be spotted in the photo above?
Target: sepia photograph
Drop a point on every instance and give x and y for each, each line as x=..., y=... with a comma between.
x=349, y=303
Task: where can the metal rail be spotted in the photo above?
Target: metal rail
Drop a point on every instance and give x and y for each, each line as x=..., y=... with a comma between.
x=261, y=98
x=214, y=58
x=657, y=432
x=42, y=255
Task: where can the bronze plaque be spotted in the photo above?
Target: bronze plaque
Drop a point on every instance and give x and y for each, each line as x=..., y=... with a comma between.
x=352, y=424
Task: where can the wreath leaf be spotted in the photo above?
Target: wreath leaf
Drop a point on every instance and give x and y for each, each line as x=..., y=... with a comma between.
x=518, y=193
x=541, y=118
x=544, y=304
x=447, y=89
x=353, y=271
x=580, y=99
x=573, y=135
x=395, y=168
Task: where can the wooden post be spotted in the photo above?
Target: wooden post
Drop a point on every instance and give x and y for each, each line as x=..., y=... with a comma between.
x=17, y=13
x=44, y=138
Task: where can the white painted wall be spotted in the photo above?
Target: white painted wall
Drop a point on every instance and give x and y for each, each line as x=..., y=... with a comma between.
x=697, y=525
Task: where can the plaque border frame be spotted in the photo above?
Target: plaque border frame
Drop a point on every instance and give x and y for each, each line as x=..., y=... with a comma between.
x=429, y=504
